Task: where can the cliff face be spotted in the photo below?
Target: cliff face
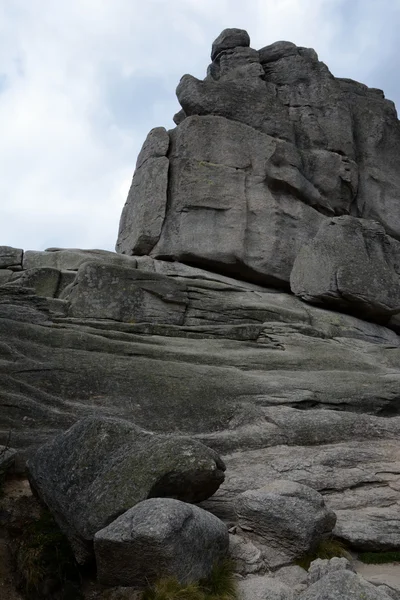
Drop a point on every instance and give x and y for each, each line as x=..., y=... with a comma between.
x=277, y=176
x=269, y=150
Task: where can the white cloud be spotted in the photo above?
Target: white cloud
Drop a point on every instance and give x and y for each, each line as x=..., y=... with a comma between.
x=67, y=155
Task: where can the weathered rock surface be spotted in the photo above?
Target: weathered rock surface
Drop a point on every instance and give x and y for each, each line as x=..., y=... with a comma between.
x=159, y=538
x=350, y=264
x=287, y=519
x=103, y=291
x=268, y=148
x=343, y=585
x=246, y=556
x=70, y=259
x=100, y=468
x=263, y=588
x=321, y=567
x=10, y=257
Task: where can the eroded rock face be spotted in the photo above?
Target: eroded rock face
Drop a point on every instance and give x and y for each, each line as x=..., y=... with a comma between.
x=100, y=468
x=268, y=148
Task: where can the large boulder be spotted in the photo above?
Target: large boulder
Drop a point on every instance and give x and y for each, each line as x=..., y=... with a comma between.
x=350, y=264
x=159, y=538
x=288, y=519
x=100, y=468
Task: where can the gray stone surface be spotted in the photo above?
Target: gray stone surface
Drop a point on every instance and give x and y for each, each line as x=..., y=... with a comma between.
x=228, y=39
x=343, y=585
x=350, y=264
x=70, y=259
x=263, y=588
x=292, y=575
x=43, y=280
x=287, y=519
x=159, y=538
x=10, y=257
x=143, y=214
x=245, y=555
x=100, y=468
x=103, y=291
x=321, y=567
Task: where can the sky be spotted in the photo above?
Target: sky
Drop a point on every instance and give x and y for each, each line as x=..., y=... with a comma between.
x=82, y=83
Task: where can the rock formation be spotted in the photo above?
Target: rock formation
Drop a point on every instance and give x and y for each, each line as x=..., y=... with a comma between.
x=252, y=303
x=267, y=149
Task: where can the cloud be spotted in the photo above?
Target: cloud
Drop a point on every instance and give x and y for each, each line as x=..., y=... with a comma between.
x=81, y=84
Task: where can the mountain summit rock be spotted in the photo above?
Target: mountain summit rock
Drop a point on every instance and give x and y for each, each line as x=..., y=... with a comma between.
x=268, y=148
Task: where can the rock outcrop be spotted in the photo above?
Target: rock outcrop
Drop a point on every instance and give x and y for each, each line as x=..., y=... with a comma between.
x=253, y=303
x=267, y=149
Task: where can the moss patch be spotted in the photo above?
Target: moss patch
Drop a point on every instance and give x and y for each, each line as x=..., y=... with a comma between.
x=220, y=585
x=379, y=558
x=327, y=548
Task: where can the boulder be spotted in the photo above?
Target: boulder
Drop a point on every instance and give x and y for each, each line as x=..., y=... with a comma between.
x=343, y=585
x=228, y=39
x=321, y=567
x=100, y=468
x=159, y=538
x=263, y=588
x=288, y=519
x=102, y=291
x=10, y=257
x=350, y=264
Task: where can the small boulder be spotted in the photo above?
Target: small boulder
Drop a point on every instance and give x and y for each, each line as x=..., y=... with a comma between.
x=321, y=567
x=286, y=518
x=102, y=467
x=159, y=538
x=343, y=585
x=228, y=39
